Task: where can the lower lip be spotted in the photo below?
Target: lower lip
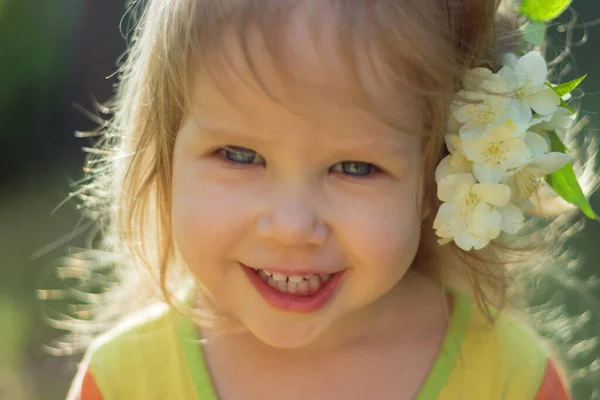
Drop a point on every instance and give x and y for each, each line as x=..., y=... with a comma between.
x=294, y=303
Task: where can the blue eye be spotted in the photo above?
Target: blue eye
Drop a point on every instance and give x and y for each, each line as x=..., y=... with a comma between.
x=354, y=168
x=240, y=155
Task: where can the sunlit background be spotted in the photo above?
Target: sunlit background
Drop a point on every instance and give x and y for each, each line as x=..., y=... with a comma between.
x=57, y=59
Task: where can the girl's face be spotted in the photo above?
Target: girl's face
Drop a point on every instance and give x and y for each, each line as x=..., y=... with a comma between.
x=330, y=193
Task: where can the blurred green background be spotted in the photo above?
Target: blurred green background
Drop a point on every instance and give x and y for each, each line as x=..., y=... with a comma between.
x=57, y=58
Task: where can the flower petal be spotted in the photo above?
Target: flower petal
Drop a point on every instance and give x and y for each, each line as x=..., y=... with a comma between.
x=512, y=218
x=450, y=166
x=544, y=101
x=452, y=142
x=467, y=241
x=534, y=67
x=447, y=222
x=459, y=163
x=471, y=130
x=517, y=121
x=495, y=194
x=536, y=144
x=443, y=169
x=539, y=120
x=475, y=77
x=562, y=118
x=517, y=197
x=490, y=85
x=455, y=186
x=515, y=79
x=444, y=241
x=561, y=133
x=473, y=149
x=489, y=172
x=453, y=125
x=523, y=110
x=550, y=162
x=460, y=112
x=516, y=153
x=499, y=133
x=462, y=182
x=485, y=221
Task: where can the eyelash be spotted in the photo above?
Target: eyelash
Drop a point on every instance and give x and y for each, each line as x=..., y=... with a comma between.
x=227, y=151
x=237, y=150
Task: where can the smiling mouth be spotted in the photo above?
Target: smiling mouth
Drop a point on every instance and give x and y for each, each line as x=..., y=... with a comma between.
x=301, y=285
x=298, y=293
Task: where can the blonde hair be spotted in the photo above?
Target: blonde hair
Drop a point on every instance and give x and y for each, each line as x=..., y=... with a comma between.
x=425, y=47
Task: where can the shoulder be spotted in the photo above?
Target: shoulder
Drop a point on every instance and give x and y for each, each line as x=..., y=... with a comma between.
x=506, y=358
x=554, y=385
x=140, y=349
x=84, y=387
x=528, y=355
x=139, y=337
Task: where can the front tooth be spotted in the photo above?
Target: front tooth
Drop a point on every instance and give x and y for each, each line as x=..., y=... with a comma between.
x=282, y=286
x=314, y=282
x=307, y=276
x=292, y=287
x=279, y=277
x=272, y=283
x=302, y=287
x=296, y=278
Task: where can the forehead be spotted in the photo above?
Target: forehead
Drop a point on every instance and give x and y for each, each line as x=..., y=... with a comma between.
x=310, y=65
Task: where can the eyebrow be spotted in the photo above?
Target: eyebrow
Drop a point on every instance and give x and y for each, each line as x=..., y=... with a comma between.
x=234, y=134
x=390, y=148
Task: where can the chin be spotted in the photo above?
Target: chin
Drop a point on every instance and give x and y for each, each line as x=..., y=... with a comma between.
x=292, y=331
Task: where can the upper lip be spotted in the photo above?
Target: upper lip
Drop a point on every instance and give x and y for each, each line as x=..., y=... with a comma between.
x=300, y=270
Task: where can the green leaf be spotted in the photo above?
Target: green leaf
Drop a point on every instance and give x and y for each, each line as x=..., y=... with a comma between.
x=535, y=33
x=568, y=107
x=564, y=182
x=556, y=145
x=543, y=10
x=567, y=87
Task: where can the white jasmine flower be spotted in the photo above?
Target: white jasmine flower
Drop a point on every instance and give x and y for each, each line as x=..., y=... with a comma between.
x=515, y=122
x=499, y=150
x=455, y=162
x=525, y=180
x=453, y=143
x=560, y=122
x=526, y=80
x=452, y=165
x=482, y=104
x=538, y=146
x=494, y=153
x=452, y=126
x=512, y=218
x=468, y=214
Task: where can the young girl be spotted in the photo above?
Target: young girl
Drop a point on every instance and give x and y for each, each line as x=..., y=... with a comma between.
x=319, y=210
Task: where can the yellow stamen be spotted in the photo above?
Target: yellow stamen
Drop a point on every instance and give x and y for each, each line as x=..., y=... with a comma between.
x=493, y=153
x=529, y=179
x=468, y=203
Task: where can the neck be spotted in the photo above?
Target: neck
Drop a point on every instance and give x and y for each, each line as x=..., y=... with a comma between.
x=403, y=314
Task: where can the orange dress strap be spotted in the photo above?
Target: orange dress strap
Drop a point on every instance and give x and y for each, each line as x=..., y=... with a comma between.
x=553, y=386
x=89, y=388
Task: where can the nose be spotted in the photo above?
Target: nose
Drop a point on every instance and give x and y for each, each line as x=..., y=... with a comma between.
x=291, y=219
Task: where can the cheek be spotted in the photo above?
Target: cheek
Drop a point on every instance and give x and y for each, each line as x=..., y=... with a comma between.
x=390, y=237
x=200, y=212
x=208, y=221
x=384, y=236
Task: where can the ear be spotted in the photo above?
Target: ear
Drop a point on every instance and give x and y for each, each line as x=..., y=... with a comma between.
x=425, y=208
x=424, y=200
